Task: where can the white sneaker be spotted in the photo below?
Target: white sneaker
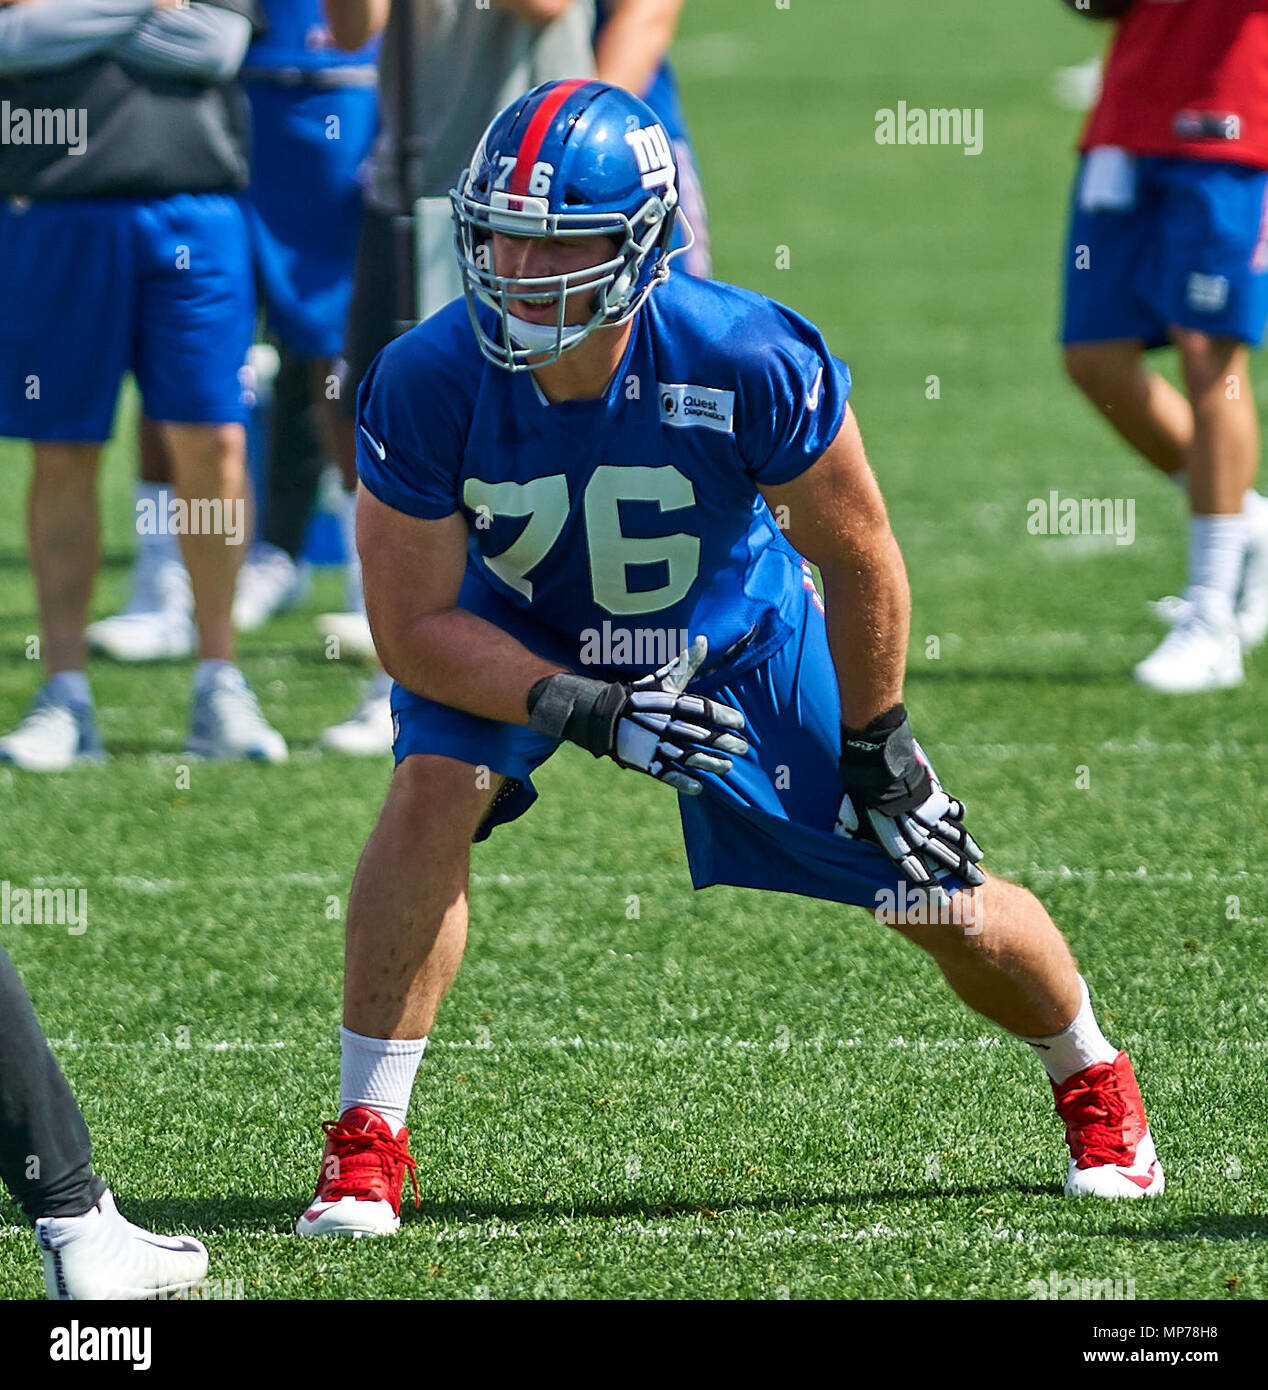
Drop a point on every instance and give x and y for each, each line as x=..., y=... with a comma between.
x=352, y=630
x=54, y=735
x=225, y=722
x=368, y=733
x=1202, y=651
x=1252, y=598
x=101, y=1256
x=158, y=622
x=269, y=582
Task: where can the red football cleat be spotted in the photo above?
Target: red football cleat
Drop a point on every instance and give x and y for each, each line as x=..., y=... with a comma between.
x=1111, y=1151
x=362, y=1174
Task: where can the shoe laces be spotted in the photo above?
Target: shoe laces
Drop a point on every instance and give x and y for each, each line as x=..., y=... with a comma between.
x=350, y=1142
x=1094, y=1108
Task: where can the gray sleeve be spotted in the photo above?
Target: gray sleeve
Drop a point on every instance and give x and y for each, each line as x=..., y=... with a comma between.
x=57, y=33
x=202, y=43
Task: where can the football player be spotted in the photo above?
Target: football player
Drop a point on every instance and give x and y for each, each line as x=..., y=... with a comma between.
x=587, y=457
x=1168, y=243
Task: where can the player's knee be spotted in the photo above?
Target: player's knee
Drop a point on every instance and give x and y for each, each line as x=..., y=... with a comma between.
x=1097, y=369
x=1204, y=360
x=441, y=798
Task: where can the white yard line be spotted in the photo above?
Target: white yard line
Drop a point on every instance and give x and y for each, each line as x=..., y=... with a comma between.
x=577, y=1043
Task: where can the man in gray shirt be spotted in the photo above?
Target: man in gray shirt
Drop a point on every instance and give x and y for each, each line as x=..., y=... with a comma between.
x=447, y=67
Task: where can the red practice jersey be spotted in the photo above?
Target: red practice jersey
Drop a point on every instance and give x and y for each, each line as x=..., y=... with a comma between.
x=1187, y=78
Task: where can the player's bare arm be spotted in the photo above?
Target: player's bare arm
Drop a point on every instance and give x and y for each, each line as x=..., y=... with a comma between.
x=634, y=41
x=412, y=570
x=836, y=518
x=353, y=23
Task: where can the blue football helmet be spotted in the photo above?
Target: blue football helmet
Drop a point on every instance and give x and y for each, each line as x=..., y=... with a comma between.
x=568, y=159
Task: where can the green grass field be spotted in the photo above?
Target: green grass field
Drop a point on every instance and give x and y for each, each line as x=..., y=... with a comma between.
x=732, y=1095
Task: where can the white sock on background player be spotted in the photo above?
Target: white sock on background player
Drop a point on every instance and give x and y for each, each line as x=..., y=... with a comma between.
x=378, y=1073
x=1217, y=552
x=355, y=598
x=1080, y=1045
x=1217, y=544
x=157, y=546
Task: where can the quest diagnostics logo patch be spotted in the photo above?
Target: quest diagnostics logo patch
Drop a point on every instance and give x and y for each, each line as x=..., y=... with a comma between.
x=683, y=406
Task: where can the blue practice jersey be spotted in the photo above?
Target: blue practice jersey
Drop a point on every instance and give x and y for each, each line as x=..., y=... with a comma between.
x=620, y=526
x=298, y=37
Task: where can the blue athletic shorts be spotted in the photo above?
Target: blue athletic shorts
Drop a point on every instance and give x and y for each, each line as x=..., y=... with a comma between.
x=1189, y=247
x=767, y=824
x=304, y=207
x=98, y=287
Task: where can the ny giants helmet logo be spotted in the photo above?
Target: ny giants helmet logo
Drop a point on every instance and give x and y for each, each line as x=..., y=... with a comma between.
x=655, y=158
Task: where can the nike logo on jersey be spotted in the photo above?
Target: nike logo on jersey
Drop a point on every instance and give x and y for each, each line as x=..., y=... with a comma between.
x=374, y=444
x=812, y=396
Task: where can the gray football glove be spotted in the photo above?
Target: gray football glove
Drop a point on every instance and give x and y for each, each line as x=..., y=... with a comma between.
x=888, y=779
x=650, y=725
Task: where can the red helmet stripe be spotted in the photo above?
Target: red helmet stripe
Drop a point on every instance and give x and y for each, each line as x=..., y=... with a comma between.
x=531, y=145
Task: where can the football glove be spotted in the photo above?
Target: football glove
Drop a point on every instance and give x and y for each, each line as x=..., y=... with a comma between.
x=893, y=798
x=649, y=725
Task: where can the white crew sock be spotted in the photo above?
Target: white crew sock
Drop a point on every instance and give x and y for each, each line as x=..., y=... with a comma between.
x=1080, y=1045
x=378, y=1073
x=156, y=544
x=69, y=687
x=348, y=528
x=1217, y=552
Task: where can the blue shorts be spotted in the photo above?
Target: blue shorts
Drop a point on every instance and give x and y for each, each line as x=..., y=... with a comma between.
x=1189, y=249
x=304, y=207
x=768, y=824
x=98, y=287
